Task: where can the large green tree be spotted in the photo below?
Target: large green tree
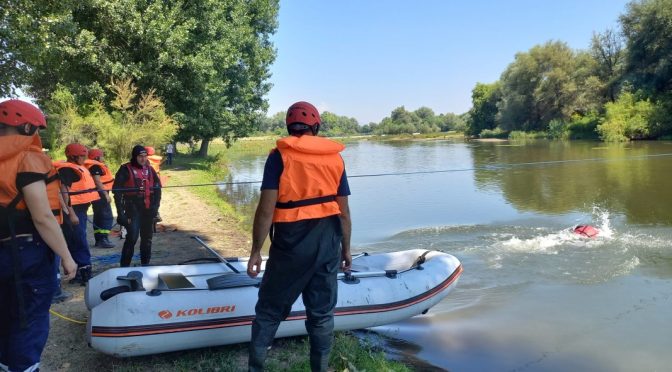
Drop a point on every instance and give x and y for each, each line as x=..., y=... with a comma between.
x=549, y=82
x=607, y=50
x=208, y=59
x=647, y=26
x=483, y=113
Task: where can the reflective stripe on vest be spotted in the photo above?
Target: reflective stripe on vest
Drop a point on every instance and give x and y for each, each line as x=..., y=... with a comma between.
x=312, y=171
x=142, y=179
x=106, y=178
x=83, y=191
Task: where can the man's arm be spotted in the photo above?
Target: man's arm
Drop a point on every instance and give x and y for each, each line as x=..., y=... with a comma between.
x=35, y=195
x=101, y=187
x=263, y=218
x=346, y=223
x=119, y=181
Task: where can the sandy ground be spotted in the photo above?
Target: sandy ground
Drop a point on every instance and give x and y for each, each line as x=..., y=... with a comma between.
x=184, y=215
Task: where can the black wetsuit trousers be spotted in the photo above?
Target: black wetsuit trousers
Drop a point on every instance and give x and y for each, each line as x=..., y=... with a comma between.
x=303, y=260
x=141, y=225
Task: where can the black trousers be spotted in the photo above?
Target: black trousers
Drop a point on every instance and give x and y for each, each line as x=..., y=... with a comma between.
x=141, y=225
x=304, y=260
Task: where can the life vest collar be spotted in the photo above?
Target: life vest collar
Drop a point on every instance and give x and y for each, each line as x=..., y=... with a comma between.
x=310, y=145
x=11, y=146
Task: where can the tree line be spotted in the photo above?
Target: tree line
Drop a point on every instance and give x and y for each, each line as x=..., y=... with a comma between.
x=619, y=89
x=207, y=62
x=400, y=121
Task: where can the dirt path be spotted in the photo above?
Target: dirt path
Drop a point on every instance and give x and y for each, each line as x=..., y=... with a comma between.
x=184, y=215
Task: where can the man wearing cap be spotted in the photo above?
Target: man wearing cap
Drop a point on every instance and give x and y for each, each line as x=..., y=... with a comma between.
x=137, y=196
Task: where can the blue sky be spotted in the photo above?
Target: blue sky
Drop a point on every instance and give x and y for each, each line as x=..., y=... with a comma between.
x=364, y=58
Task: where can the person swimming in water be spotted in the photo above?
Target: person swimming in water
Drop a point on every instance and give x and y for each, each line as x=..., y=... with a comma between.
x=587, y=231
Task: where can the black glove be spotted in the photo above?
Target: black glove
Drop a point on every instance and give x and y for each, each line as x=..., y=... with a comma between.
x=122, y=220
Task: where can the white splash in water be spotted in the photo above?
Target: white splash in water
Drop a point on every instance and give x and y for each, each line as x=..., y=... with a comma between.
x=539, y=244
x=603, y=225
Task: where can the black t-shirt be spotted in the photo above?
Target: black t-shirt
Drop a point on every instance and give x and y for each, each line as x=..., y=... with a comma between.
x=26, y=178
x=68, y=176
x=96, y=170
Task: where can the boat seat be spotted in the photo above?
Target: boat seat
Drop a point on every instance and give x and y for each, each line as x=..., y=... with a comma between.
x=174, y=281
x=134, y=279
x=231, y=280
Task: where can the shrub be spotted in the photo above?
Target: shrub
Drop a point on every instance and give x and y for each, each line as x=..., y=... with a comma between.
x=626, y=119
x=493, y=133
x=583, y=127
x=557, y=129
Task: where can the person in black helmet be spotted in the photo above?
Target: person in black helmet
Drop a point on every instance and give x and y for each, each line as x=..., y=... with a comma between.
x=137, y=199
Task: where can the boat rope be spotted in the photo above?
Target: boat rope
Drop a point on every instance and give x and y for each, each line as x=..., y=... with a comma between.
x=492, y=167
x=65, y=317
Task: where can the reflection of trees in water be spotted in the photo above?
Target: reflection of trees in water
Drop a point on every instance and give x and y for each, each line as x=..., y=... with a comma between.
x=635, y=187
x=243, y=197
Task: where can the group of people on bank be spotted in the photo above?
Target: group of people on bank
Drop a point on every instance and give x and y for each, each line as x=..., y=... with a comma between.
x=303, y=204
x=44, y=208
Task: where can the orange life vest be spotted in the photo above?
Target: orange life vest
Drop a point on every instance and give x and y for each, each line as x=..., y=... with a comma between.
x=310, y=178
x=106, y=178
x=142, y=180
x=155, y=162
x=26, y=156
x=84, y=190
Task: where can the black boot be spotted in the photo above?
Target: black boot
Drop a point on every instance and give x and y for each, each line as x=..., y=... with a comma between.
x=104, y=242
x=85, y=273
x=256, y=358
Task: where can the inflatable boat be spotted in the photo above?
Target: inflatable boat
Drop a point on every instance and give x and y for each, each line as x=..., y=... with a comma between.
x=157, y=309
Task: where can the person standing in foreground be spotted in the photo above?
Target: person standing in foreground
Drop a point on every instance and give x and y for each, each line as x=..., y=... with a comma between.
x=102, y=211
x=304, y=200
x=137, y=201
x=29, y=236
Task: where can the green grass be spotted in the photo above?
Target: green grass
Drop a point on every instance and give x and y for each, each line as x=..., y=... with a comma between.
x=288, y=354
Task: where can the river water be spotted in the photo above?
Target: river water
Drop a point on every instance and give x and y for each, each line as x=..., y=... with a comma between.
x=533, y=296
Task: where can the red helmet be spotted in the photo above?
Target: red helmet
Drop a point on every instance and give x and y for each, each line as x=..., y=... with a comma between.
x=150, y=150
x=75, y=149
x=304, y=113
x=15, y=113
x=95, y=154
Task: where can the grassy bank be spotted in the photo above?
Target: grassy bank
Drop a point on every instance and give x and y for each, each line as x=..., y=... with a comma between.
x=349, y=352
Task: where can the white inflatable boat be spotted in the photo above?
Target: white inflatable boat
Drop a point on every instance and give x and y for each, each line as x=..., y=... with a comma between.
x=157, y=309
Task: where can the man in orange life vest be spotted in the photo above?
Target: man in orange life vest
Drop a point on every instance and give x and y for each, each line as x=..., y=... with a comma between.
x=102, y=212
x=304, y=200
x=137, y=201
x=82, y=193
x=29, y=237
